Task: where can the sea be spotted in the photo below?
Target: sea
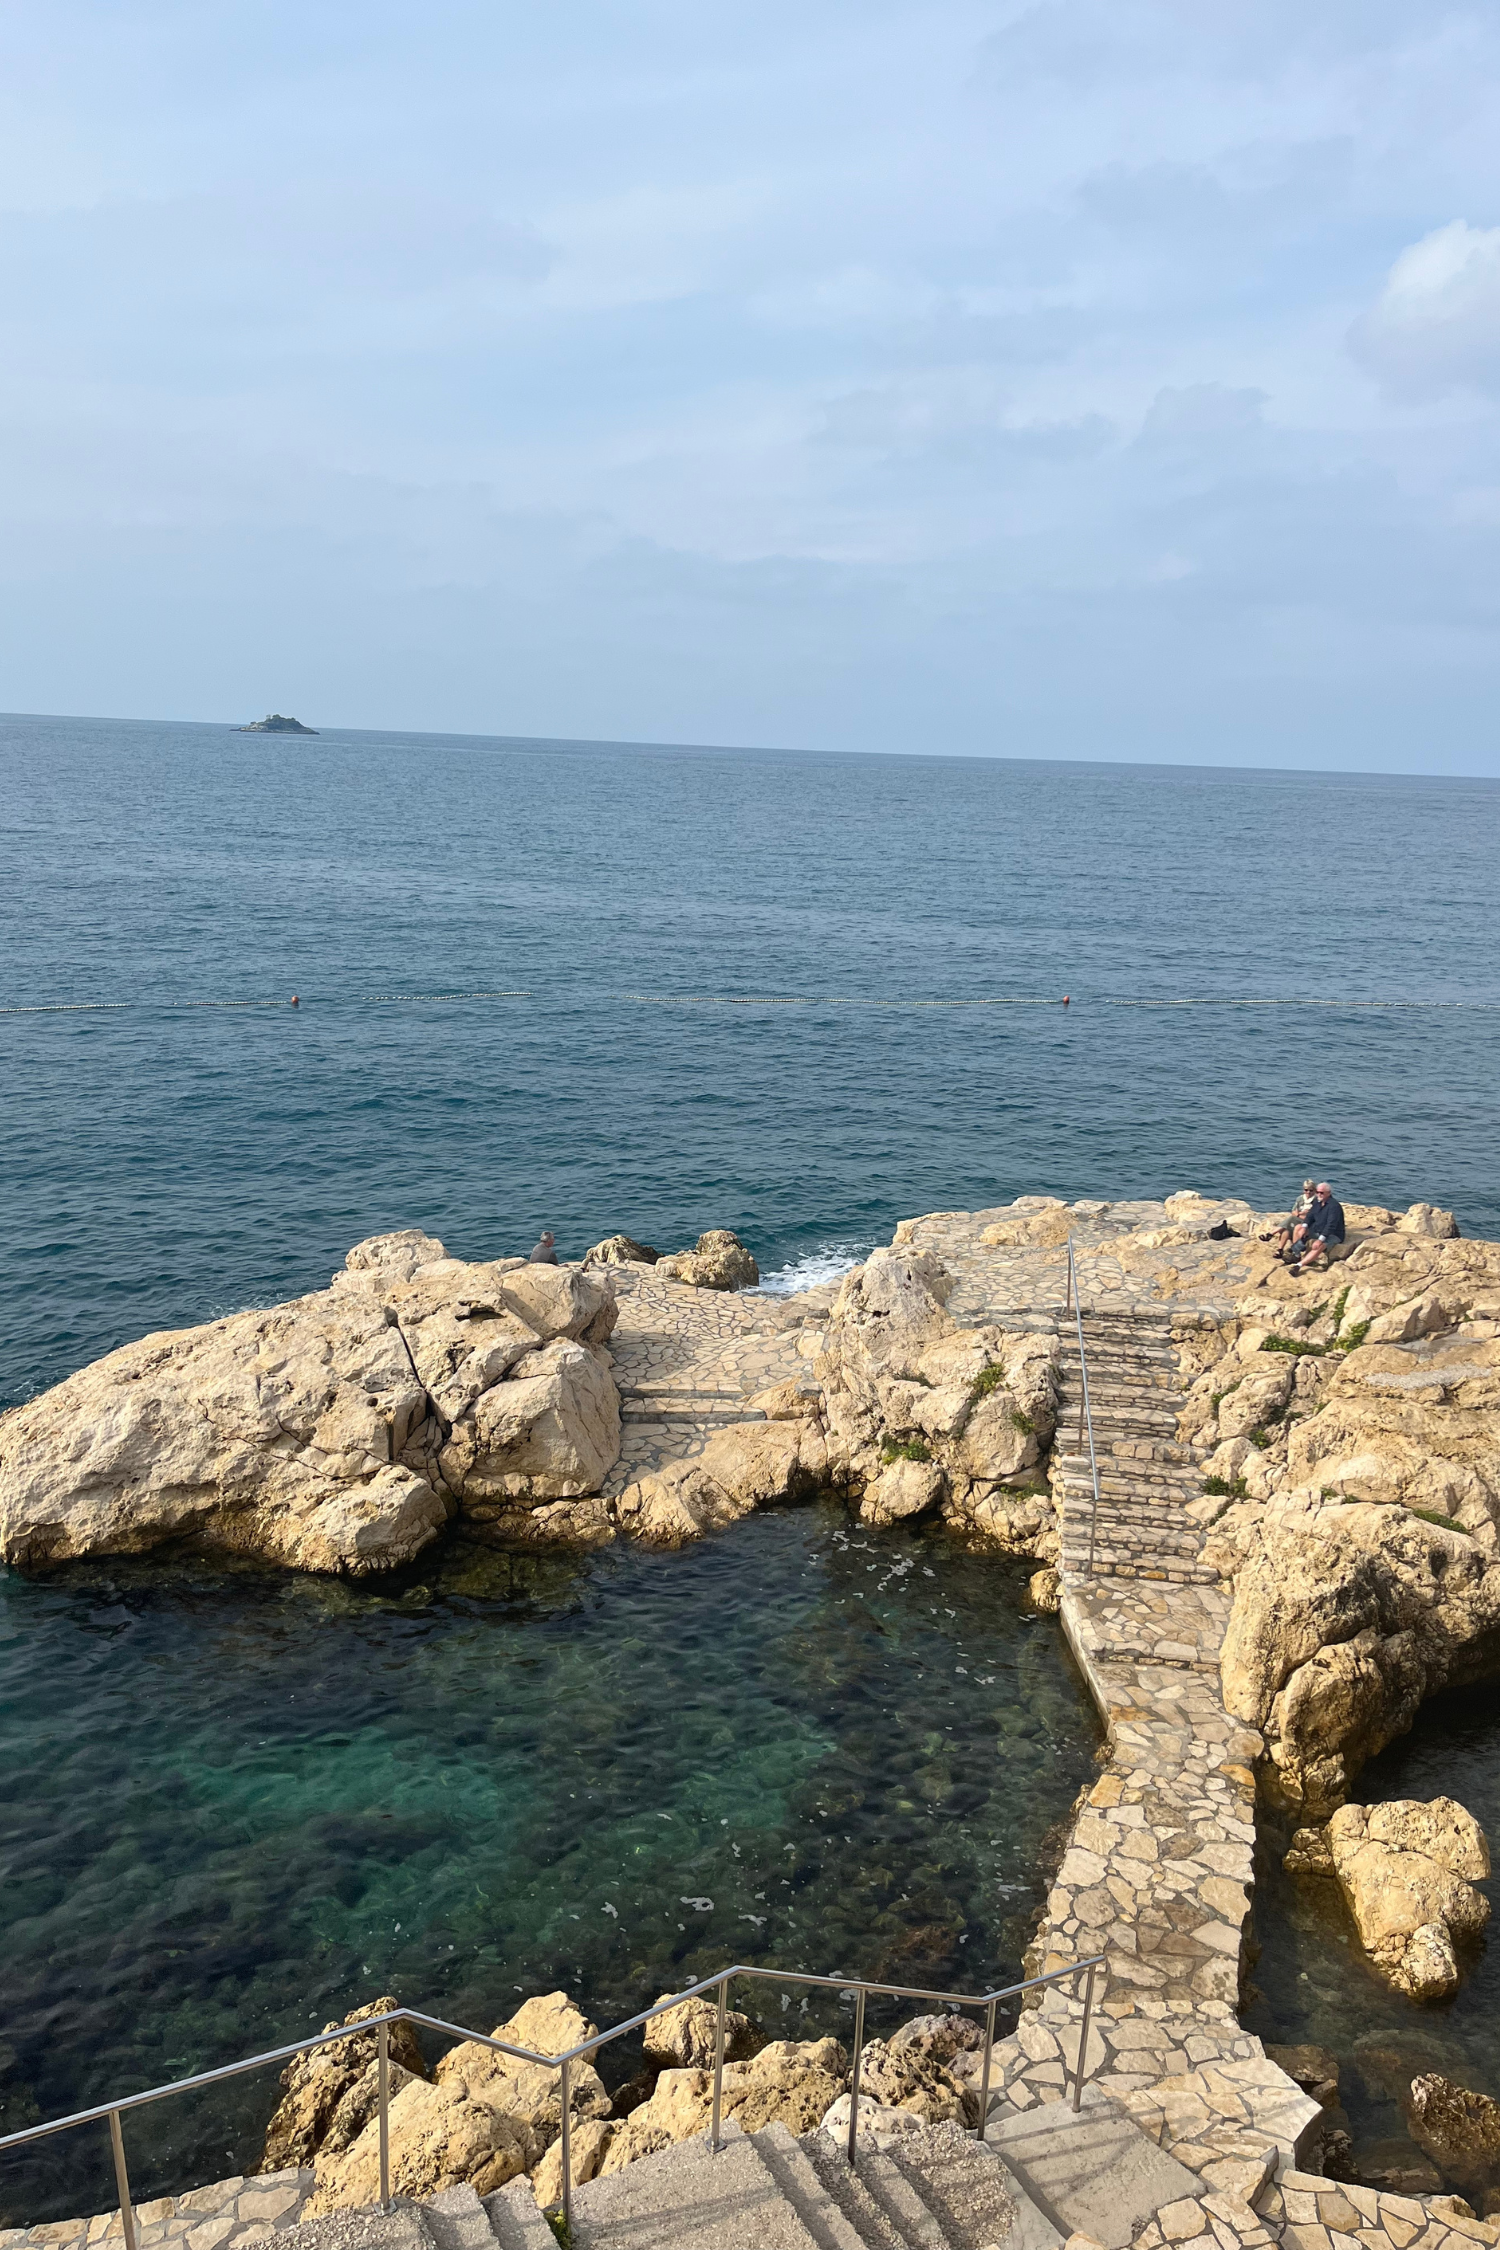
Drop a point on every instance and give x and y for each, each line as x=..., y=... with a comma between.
x=595, y=987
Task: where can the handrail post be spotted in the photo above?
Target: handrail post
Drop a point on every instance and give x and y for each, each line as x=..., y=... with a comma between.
x=859, y=2040
x=565, y=2095
x=1083, y=2040
x=984, y=2079
x=713, y=2137
x=122, y=2179
x=383, y=2052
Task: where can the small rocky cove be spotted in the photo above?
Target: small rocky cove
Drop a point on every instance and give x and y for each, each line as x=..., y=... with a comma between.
x=1298, y=1547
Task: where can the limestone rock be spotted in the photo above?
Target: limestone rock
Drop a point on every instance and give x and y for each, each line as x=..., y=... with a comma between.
x=903, y=1488
x=438, y=2139
x=1309, y=1854
x=740, y=1469
x=682, y=2038
x=1044, y=1591
x=680, y=2107
x=906, y=2077
x=1406, y=1871
x=313, y=2085
x=620, y=1250
x=1425, y=1218
x=588, y=2145
x=1344, y=1617
x=940, y=2039
x=1315, y=2069
x=268, y=1433
x=791, y=2081
x=562, y=1301
x=1457, y=2128
x=334, y=1433
x=889, y=1308
x=719, y=1261
x=529, y=2092
x=550, y=1431
x=879, y=2122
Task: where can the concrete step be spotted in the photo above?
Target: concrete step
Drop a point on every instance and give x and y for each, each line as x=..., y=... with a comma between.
x=820, y=2211
x=731, y=2201
x=974, y=2196
x=514, y=2220
x=457, y=2220
x=403, y=2227
x=869, y=2219
x=1092, y=2173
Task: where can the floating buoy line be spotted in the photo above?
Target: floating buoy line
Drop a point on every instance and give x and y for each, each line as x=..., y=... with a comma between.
x=733, y=1000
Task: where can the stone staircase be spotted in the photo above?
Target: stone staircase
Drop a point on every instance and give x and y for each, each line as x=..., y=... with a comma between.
x=1146, y=1474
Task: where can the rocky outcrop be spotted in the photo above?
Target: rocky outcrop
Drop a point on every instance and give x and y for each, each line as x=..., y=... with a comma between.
x=790, y=2081
x=620, y=1250
x=1345, y=1616
x=328, y=2082
x=1407, y=1872
x=339, y=1432
x=484, y=2118
x=684, y=2037
x=924, y=1414
x=719, y=1260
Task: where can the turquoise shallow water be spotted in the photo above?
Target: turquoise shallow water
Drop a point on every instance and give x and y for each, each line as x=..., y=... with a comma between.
x=246, y=1803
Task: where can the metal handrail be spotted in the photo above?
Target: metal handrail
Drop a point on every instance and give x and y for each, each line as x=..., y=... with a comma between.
x=1085, y=1411
x=562, y=2063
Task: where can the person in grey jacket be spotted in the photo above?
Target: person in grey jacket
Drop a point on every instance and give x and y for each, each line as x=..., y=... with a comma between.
x=544, y=1254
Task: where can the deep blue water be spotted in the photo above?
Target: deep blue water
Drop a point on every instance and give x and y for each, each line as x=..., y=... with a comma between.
x=164, y=1165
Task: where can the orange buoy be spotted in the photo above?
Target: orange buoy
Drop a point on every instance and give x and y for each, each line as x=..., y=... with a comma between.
x=296, y=1003
x=1065, y=999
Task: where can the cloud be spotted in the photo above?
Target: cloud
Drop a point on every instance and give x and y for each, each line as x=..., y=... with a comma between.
x=1436, y=325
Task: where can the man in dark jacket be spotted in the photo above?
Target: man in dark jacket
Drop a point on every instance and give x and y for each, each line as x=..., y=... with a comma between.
x=1323, y=1230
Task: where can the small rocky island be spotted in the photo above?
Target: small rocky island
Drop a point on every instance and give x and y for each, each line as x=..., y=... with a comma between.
x=276, y=722
x=1293, y=1541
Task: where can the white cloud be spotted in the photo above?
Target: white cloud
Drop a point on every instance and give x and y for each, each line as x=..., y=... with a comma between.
x=1436, y=324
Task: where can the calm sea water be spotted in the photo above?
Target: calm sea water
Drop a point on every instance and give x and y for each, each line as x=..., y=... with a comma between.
x=239, y=1803
x=161, y=1166
x=247, y=1802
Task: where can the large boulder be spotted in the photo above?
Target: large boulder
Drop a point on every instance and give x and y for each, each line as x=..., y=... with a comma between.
x=621, y=1250
x=336, y=1433
x=438, y=2139
x=1344, y=1617
x=718, y=1261
x=277, y=1434
x=791, y=2082
x=904, y=1488
x=1407, y=1871
x=548, y=2024
x=907, y=2077
x=685, y=2037
x=315, y=2084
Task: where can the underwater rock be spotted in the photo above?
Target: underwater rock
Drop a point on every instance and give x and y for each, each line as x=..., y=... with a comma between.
x=1457, y=2128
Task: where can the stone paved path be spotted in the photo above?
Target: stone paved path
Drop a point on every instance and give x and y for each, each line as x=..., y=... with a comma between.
x=221, y=2216
x=687, y=1362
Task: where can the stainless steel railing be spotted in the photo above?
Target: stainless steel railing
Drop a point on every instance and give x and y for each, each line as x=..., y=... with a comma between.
x=1085, y=1411
x=113, y=2112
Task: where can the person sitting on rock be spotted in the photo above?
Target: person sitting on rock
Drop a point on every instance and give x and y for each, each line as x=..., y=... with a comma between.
x=544, y=1254
x=1322, y=1232
x=1301, y=1211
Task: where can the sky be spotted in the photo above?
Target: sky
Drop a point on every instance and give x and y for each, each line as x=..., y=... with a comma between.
x=1040, y=378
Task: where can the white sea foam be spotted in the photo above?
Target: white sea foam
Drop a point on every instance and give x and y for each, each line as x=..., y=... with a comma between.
x=827, y=1263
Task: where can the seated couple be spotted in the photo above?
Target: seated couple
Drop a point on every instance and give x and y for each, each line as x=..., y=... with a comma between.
x=1314, y=1234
